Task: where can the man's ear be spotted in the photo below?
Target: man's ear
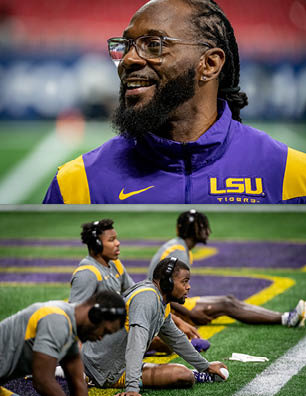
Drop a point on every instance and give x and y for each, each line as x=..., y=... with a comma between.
x=211, y=63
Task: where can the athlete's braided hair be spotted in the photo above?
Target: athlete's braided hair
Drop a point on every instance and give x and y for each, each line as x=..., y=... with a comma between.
x=193, y=224
x=214, y=26
x=90, y=231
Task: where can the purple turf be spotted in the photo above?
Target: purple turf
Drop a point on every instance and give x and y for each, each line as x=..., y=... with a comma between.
x=256, y=255
x=230, y=254
x=37, y=262
x=25, y=387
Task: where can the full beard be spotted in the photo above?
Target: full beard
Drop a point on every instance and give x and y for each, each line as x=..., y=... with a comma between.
x=155, y=116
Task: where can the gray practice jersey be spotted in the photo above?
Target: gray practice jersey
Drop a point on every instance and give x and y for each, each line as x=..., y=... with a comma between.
x=49, y=328
x=147, y=316
x=176, y=247
x=90, y=275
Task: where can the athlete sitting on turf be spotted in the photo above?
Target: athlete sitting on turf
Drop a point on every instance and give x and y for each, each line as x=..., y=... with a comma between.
x=193, y=228
x=35, y=339
x=102, y=268
x=116, y=361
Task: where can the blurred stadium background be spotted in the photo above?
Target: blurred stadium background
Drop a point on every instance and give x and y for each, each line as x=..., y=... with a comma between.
x=58, y=87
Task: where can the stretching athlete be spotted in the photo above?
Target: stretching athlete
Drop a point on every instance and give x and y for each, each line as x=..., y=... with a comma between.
x=37, y=338
x=117, y=360
x=193, y=228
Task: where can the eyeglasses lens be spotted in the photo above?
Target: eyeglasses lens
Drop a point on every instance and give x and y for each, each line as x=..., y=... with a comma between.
x=147, y=47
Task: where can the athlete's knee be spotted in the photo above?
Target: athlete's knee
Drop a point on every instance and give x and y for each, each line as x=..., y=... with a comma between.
x=183, y=376
x=231, y=301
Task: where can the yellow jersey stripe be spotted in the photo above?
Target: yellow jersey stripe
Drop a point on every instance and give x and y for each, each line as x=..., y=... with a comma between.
x=39, y=314
x=294, y=184
x=72, y=181
x=119, y=267
x=171, y=249
x=167, y=310
x=127, y=325
x=190, y=257
x=91, y=268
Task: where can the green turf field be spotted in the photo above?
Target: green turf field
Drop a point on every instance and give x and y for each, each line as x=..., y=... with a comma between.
x=225, y=336
x=31, y=151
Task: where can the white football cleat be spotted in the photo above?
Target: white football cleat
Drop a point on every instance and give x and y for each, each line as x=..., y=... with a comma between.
x=297, y=315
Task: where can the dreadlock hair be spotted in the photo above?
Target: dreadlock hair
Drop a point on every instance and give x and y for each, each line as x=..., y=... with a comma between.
x=213, y=25
x=91, y=231
x=193, y=224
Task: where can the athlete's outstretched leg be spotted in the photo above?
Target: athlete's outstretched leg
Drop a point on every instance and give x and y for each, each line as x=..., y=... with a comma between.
x=216, y=306
x=170, y=375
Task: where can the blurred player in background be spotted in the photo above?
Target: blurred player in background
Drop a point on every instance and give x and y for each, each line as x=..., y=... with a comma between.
x=193, y=228
x=116, y=361
x=35, y=339
x=181, y=139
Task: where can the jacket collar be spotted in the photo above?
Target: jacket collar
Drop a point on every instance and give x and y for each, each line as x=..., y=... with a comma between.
x=172, y=155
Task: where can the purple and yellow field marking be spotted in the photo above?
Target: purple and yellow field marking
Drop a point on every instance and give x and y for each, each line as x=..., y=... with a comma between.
x=278, y=285
x=218, y=254
x=224, y=256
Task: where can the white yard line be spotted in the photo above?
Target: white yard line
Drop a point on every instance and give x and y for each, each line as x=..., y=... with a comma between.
x=27, y=174
x=271, y=380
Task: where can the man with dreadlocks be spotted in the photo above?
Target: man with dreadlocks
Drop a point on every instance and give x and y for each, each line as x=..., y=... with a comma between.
x=181, y=139
x=193, y=228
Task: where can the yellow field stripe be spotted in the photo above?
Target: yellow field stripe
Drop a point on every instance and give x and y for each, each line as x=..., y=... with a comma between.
x=278, y=286
x=143, y=270
x=204, y=253
x=218, y=271
x=102, y=392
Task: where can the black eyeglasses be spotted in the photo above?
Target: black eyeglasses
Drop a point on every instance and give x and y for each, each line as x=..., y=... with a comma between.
x=147, y=47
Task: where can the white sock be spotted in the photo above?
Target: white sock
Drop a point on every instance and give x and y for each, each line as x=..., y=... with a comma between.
x=285, y=318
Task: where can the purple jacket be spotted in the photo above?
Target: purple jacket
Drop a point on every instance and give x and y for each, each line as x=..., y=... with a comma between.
x=229, y=163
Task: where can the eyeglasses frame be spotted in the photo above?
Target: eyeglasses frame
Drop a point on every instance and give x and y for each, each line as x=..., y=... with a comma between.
x=132, y=42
